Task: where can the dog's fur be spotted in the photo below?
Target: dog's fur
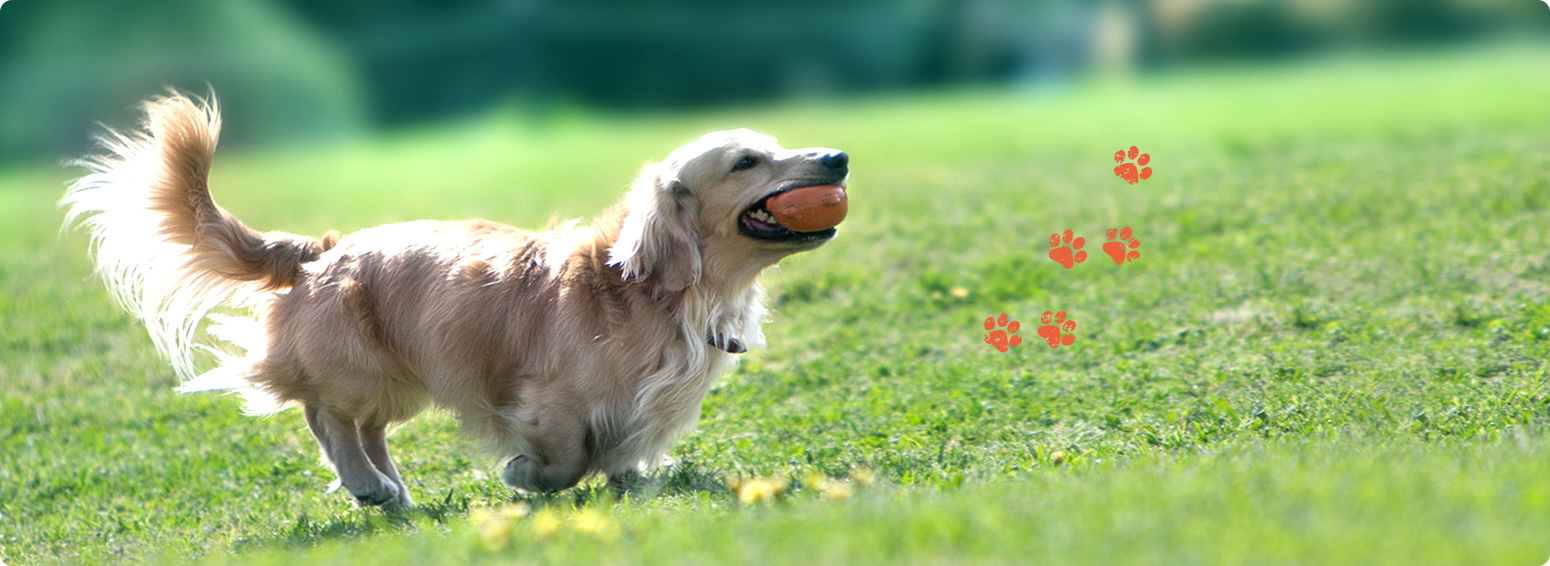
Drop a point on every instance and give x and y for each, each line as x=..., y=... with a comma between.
x=570, y=351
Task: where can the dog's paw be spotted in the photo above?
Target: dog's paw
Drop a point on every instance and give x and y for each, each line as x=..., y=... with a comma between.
x=403, y=501
x=524, y=474
x=1065, y=249
x=1055, y=325
x=1129, y=171
x=1003, y=337
x=518, y=474
x=625, y=481
x=1119, y=239
x=384, y=495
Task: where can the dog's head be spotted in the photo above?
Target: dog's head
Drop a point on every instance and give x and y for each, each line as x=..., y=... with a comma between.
x=703, y=208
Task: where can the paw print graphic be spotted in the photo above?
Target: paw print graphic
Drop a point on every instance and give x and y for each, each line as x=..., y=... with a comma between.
x=1054, y=325
x=1066, y=248
x=1118, y=240
x=1127, y=171
x=1002, y=339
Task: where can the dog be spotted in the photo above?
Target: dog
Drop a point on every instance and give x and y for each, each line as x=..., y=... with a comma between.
x=569, y=352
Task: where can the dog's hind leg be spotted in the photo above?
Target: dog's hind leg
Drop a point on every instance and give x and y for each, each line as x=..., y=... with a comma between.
x=341, y=442
x=374, y=440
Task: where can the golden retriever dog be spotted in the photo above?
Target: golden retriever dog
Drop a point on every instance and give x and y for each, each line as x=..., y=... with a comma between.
x=572, y=351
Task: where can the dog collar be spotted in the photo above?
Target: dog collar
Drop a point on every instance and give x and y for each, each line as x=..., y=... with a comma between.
x=729, y=345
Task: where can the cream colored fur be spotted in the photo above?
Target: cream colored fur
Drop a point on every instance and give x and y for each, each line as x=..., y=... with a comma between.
x=571, y=351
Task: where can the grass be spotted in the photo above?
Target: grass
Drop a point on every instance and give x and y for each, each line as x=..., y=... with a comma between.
x=1330, y=351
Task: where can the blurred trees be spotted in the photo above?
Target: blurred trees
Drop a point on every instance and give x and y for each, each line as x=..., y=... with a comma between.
x=423, y=57
x=302, y=68
x=65, y=65
x=1195, y=29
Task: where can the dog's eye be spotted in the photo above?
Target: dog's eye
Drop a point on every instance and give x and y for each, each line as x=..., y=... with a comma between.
x=746, y=162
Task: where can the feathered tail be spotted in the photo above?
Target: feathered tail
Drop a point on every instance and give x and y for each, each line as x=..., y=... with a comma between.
x=167, y=252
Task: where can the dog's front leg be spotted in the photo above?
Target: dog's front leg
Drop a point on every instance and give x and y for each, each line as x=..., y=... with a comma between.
x=556, y=458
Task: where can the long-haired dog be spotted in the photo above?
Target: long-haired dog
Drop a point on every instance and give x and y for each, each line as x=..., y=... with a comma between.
x=571, y=351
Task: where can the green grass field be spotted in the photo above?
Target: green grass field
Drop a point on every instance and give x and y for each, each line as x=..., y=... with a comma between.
x=1331, y=350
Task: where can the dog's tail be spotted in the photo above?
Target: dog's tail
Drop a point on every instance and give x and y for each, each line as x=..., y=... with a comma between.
x=167, y=252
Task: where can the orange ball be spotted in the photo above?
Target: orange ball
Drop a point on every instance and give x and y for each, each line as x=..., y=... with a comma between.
x=809, y=209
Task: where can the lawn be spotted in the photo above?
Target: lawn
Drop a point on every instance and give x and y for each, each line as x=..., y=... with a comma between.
x=1331, y=349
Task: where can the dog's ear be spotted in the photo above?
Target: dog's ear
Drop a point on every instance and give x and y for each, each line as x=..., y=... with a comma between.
x=659, y=242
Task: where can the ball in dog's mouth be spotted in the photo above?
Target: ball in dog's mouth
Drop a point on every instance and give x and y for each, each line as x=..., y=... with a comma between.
x=802, y=213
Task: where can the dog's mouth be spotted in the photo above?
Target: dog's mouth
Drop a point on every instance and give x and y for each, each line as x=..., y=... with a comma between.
x=758, y=223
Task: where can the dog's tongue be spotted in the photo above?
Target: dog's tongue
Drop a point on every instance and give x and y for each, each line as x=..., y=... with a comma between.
x=809, y=209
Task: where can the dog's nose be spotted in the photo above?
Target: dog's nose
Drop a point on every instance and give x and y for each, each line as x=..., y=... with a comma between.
x=837, y=161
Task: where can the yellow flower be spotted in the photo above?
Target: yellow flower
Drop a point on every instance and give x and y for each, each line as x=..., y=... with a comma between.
x=863, y=476
x=495, y=534
x=759, y=490
x=834, y=489
x=594, y=522
x=959, y=292
x=495, y=523
x=513, y=511
x=545, y=524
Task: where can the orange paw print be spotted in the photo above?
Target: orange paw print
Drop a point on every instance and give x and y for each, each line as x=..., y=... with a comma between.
x=1128, y=171
x=1119, y=239
x=1002, y=339
x=1066, y=248
x=1054, y=325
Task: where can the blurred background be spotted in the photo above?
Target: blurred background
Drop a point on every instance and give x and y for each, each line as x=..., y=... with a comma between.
x=304, y=70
